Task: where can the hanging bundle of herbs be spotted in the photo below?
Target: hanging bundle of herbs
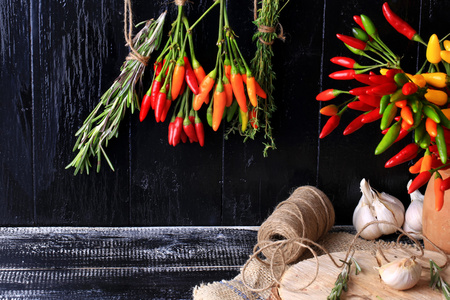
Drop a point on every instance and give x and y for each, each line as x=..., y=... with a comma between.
x=266, y=19
x=103, y=122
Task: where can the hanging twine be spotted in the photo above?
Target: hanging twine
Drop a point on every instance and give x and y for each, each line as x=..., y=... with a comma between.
x=180, y=2
x=267, y=29
x=128, y=30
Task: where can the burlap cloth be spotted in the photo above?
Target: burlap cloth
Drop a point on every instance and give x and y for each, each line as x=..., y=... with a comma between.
x=258, y=274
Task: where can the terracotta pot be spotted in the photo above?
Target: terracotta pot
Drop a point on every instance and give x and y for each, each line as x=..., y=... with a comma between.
x=436, y=224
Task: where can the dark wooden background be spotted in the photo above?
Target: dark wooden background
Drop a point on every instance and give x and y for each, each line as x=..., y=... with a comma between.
x=58, y=57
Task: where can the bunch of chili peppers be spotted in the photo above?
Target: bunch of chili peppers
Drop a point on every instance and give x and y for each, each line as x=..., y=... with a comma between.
x=175, y=77
x=415, y=104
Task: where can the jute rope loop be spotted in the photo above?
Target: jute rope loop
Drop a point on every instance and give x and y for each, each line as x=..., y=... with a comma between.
x=128, y=30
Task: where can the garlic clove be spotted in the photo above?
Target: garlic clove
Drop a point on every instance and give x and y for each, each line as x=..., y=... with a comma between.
x=413, y=215
x=362, y=216
x=401, y=274
x=390, y=209
x=415, y=234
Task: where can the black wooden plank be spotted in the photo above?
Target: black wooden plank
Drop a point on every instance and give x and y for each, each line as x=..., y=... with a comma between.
x=117, y=263
x=16, y=175
x=253, y=184
x=77, y=55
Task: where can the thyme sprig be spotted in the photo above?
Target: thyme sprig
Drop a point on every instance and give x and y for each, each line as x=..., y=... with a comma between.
x=437, y=282
x=268, y=16
x=341, y=282
x=103, y=122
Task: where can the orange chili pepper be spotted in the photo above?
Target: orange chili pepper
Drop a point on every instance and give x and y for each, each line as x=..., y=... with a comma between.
x=251, y=90
x=329, y=110
x=228, y=91
x=401, y=103
x=220, y=100
x=198, y=70
x=227, y=67
x=438, y=193
x=415, y=169
x=205, y=87
x=426, y=162
x=238, y=88
x=177, y=78
x=407, y=115
x=431, y=127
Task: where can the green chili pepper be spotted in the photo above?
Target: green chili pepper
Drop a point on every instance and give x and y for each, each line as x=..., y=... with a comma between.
x=444, y=120
x=209, y=115
x=419, y=132
x=417, y=118
x=384, y=102
x=369, y=26
x=441, y=145
x=360, y=34
x=388, y=116
x=400, y=79
x=425, y=141
x=232, y=110
x=397, y=96
x=389, y=138
x=431, y=113
x=415, y=103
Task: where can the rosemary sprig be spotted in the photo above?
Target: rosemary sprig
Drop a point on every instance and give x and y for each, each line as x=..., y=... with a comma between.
x=437, y=282
x=103, y=122
x=342, y=280
x=268, y=16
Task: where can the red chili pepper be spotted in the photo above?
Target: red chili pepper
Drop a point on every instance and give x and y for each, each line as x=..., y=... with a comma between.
x=145, y=107
x=330, y=125
x=166, y=108
x=184, y=136
x=156, y=87
x=191, y=79
x=228, y=91
x=370, y=100
x=352, y=42
x=157, y=67
x=438, y=193
x=343, y=74
x=177, y=129
x=171, y=127
x=384, y=89
x=419, y=181
x=359, y=105
x=360, y=90
x=328, y=94
x=399, y=24
x=254, y=117
x=445, y=184
x=401, y=135
x=189, y=129
x=198, y=70
x=345, y=62
x=371, y=116
x=409, y=88
x=358, y=21
x=199, y=130
x=329, y=110
x=391, y=73
x=380, y=79
x=354, y=125
x=406, y=154
x=363, y=78
x=160, y=104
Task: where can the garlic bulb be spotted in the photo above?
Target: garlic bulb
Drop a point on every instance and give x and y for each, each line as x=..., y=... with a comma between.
x=413, y=215
x=401, y=274
x=377, y=206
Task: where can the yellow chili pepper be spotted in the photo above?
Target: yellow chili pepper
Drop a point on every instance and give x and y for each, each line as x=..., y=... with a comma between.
x=436, y=97
x=383, y=71
x=417, y=79
x=433, y=50
x=244, y=119
x=445, y=55
x=436, y=79
x=447, y=45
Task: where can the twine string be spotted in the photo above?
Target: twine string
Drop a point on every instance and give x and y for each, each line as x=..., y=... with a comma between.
x=267, y=29
x=295, y=226
x=128, y=30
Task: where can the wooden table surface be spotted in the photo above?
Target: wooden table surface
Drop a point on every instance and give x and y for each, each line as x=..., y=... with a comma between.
x=118, y=262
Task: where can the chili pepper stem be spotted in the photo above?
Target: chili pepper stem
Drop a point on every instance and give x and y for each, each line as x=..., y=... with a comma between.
x=203, y=15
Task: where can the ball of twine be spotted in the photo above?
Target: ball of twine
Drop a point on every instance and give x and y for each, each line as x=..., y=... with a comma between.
x=306, y=214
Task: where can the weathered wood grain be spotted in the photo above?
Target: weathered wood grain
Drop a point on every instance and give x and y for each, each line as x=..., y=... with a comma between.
x=117, y=263
x=16, y=115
